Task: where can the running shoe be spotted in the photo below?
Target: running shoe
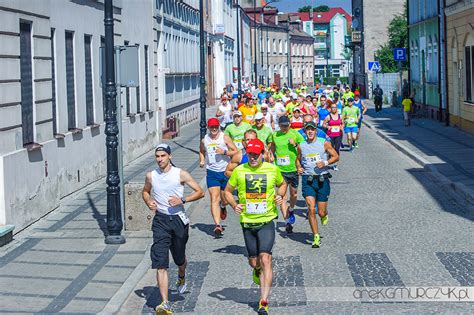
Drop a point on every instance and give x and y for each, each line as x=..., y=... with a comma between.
x=218, y=230
x=223, y=213
x=163, y=309
x=289, y=228
x=324, y=220
x=262, y=307
x=256, y=275
x=181, y=285
x=291, y=218
x=316, y=241
x=335, y=168
x=356, y=145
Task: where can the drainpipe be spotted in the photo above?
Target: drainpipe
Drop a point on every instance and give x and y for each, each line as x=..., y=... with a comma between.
x=442, y=61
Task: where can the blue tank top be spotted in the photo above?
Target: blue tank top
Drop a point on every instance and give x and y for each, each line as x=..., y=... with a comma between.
x=359, y=105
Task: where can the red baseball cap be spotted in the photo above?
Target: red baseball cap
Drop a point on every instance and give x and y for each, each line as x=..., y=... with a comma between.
x=255, y=146
x=213, y=122
x=356, y=93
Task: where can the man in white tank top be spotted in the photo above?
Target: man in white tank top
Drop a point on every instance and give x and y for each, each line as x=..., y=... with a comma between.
x=163, y=194
x=215, y=151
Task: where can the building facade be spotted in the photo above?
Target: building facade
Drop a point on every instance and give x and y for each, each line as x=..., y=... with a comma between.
x=423, y=41
x=329, y=30
x=52, y=139
x=460, y=63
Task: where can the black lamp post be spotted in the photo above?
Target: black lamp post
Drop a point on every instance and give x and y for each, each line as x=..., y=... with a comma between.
x=255, y=41
x=114, y=214
x=239, y=73
x=202, y=71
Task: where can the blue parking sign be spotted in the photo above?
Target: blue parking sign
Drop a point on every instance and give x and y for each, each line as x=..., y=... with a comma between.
x=399, y=54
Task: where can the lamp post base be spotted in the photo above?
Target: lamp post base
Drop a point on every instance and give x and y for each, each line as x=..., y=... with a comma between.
x=115, y=239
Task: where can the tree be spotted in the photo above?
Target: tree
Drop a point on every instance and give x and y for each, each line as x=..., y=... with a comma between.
x=321, y=8
x=397, y=32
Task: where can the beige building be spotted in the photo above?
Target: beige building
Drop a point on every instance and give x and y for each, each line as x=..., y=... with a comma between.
x=460, y=62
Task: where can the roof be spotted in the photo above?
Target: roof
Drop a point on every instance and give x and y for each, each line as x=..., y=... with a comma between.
x=325, y=17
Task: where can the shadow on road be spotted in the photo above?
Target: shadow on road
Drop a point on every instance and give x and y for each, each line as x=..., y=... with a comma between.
x=153, y=298
x=206, y=228
x=241, y=296
x=302, y=237
x=232, y=249
x=99, y=217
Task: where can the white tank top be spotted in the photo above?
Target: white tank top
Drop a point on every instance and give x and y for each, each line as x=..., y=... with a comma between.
x=166, y=185
x=216, y=162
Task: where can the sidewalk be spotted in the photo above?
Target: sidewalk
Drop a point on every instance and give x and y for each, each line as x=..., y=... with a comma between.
x=61, y=263
x=443, y=150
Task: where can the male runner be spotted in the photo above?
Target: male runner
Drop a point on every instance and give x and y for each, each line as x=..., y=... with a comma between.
x=241, y=157
x=255, y=182
x=360, y=104
x=237, y=129
x=263, y=131
x=215, y=151
x=313, y=165
x=284, y=146
x=350, y=116
x=163, y=194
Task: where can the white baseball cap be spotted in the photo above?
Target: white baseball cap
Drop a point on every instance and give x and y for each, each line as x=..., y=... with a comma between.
x=258, y=116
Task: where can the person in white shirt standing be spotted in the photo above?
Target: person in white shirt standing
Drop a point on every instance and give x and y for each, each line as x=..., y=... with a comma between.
x=163, y=193
x=224, y=112
x=215, y=151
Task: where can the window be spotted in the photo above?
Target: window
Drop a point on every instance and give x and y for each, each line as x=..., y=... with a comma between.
x=70, y=90
x=53, y=81
x=286, y=46
x=147, y=88
x=137, y=89
x=280, y=44
x=274, y=46
x=268, y=45
x=88, y=77
x=127, y=90
x=26, y=76
x=469, y=65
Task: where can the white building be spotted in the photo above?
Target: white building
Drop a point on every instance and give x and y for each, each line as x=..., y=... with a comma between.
x=52, y=139
x=177, y=56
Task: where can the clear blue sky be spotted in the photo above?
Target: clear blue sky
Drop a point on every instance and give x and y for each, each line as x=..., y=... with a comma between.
x=293, y=5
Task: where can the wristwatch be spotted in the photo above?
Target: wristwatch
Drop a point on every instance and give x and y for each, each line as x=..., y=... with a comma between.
x=183, y=200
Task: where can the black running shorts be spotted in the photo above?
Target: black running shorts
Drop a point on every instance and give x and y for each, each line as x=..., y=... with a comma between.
x=259, y=239
x=169, y=234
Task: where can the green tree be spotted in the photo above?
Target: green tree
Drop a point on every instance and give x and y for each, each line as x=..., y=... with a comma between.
x=397, y=32
x=321, y=8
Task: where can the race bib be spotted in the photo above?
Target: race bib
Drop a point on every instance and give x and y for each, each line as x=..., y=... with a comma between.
x=238, y=144
x=256, y=207
x=211, y=153
x=351, y=120
x=184, y=218
x=283, y=160
x=335, y=129
x=312, y=158
x=249, y=117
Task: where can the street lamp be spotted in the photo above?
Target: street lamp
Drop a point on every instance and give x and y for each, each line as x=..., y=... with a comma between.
x=114, y=213
x=255, y=41
x=239, y=73
x=202, y=73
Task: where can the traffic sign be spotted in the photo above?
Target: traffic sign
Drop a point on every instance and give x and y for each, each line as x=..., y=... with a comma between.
x=374, y=66
x=399, y=54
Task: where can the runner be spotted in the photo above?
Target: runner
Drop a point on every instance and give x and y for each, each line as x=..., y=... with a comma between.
x=323, y=112
x=255, y=182
x=237, y=129
x=267, y=116
x=248, y=110
x=296, y=121
x=347, y=94
x=284, y=146
x=224, y=112
x=241, y=157
x=214, y=153
x=320, y=133
x=358, y=103
x=313, y=164
x=263, y=131
x=350, y=116
x=277, y=109
x=163, y=194
x=334, y=127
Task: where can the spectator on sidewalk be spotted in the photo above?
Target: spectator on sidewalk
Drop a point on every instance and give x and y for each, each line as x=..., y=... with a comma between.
x=407, y=111
x=378, y=98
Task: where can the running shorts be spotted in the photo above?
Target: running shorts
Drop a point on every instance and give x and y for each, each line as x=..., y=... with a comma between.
x=259, y=239
x=291, y=178
x=216, y=179
x=316, y=189
x=351, y=129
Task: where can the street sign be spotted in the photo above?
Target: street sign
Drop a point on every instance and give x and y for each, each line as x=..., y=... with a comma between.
x=356, y=37
x=219, y=29
x=399, y=54
x=374, y=66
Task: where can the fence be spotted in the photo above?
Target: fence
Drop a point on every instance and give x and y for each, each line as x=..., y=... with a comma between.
x=389, y=83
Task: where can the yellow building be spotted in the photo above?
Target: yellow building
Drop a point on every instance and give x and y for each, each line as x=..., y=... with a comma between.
x=460, y=63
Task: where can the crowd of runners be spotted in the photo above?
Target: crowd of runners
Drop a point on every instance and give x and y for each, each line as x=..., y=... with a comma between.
x=259, y=148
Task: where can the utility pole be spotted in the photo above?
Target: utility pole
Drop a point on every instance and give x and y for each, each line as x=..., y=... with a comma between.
x=239, y=73
x=114, y=212
x=202, y=71
x=255, y=41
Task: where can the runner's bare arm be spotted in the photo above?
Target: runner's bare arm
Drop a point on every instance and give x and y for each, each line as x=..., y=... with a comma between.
x=234, y=162
x=281, y=192
x=329, y=149
x=151, y=204
x=364, y=108
x=187, y=179
x=298, y=162
x=202, y=152
x=229, y=197
x=230, y=144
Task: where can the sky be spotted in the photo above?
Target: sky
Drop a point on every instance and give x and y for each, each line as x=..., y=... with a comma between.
x=293, y=5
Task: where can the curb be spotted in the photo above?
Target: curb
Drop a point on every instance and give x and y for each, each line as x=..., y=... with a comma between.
x=460, y=188
x=117, y=300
